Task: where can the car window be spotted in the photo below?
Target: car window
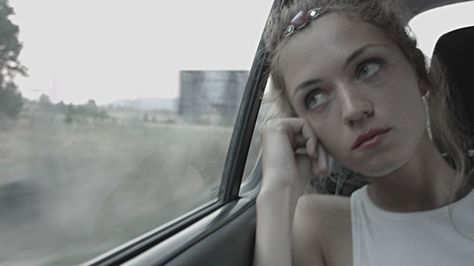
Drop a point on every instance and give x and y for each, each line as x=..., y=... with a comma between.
x=115, y=118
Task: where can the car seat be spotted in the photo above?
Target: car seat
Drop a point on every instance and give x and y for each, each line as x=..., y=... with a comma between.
x=455, y=50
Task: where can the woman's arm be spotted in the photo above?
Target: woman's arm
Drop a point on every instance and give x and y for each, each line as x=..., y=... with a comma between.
x=275, y=212
x=285, y=176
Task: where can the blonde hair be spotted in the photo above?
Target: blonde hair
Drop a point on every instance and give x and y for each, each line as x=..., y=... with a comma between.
x=447, y=131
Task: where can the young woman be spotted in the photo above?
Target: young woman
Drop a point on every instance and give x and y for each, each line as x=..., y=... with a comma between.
x=355, y=88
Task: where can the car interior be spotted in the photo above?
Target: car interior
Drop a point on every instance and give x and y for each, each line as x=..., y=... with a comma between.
x=222, y=233
x=454, y=49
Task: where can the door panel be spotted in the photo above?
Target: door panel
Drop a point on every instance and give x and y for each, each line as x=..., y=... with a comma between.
x=226, y=237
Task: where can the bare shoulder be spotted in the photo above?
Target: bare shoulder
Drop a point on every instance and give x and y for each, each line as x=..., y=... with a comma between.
x=322, y=229
x=325, y=213
x=326, y=204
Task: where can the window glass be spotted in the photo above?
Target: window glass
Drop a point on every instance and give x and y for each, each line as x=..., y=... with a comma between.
x=256, y=141
x=115, y=117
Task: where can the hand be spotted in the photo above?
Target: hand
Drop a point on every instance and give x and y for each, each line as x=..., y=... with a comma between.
x=291, y=155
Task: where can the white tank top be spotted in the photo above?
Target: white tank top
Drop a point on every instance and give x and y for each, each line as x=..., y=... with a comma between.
x=426, y=238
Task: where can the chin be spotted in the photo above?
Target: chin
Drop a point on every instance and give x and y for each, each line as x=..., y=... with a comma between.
x=382, y=165
x=379, y=171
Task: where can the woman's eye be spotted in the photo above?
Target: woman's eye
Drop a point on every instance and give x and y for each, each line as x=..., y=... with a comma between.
x=315, y=98
x=368, y=69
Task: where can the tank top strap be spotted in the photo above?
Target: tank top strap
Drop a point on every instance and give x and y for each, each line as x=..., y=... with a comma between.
x=357, y=198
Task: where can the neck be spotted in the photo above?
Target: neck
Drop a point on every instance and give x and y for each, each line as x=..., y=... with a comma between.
x=425, y=182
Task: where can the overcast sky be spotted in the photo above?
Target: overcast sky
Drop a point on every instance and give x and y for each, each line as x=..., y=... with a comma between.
x=121, y=49
x=109, y=50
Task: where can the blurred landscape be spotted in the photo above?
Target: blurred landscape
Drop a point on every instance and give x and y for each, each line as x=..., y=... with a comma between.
x=75, y=182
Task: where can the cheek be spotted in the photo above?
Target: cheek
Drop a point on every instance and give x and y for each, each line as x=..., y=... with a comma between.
x=330, y=132
x=413, y=123
x=406, y=108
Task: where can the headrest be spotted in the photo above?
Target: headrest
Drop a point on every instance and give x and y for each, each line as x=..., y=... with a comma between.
x=455, y=50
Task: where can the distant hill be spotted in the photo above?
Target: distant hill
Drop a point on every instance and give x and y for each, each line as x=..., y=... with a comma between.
x=148, y=104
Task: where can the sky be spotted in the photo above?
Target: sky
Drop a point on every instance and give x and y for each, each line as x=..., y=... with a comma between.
x=109, y=50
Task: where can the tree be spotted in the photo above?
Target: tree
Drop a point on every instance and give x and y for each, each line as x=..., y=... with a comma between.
x=44, y=100
x=70, y=114
x=91, y=104
x=61, y=107
x=91, y=108
x=11, y=100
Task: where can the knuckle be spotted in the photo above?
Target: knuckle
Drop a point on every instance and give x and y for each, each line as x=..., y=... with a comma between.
x=275, y=125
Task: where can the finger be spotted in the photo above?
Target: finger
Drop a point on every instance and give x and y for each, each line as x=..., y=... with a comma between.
x=322, y=164
x=302, y=135
x=299, y=141
x=306, y=146
x=311, y=140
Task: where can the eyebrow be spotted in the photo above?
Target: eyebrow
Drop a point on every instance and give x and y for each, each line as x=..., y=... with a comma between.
x=306, y=84
x=353, y=56
x=359, y=52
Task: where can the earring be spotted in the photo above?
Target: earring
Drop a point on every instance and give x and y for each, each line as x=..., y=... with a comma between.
x=424, y=99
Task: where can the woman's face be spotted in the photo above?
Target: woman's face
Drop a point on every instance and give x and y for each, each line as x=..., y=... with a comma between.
x=357, y=90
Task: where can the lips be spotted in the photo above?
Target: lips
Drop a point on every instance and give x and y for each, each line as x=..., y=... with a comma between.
x=369, y=138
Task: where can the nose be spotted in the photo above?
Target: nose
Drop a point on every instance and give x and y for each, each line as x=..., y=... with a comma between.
x=355, y=107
